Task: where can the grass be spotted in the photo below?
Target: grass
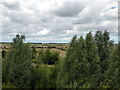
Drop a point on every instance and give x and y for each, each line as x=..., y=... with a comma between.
x=61, y=48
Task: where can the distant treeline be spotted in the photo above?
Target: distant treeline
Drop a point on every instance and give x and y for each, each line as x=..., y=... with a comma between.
x=33, y=43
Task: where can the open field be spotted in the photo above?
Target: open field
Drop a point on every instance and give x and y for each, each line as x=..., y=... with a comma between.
x=61, y=48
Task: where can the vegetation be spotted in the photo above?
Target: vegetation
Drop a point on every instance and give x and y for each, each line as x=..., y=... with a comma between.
x=90, y=62
x=48, y=57
x=17, y=66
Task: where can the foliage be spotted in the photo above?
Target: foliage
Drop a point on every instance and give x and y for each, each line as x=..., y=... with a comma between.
x=48, y=57
x=44, y=76
x=113, y=72
x=104, y=44
x=3, y=54
x=17, y=66
x=90, y=62
x=74, y=67
x=93, y=59
x=39, y=77
x=34, y=53
x=8, y=85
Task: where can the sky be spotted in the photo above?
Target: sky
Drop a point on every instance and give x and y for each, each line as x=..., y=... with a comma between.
x=57, y=21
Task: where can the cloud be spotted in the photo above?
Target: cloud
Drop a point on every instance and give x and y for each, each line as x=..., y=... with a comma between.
x=90, y=13
x=12, y=4
x=57, y=21
x=43, y=32
x=68, y=9
x=110, y=14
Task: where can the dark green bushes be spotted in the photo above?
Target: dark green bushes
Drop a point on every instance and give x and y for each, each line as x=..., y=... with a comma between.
x=48, y=57
x=44, y=76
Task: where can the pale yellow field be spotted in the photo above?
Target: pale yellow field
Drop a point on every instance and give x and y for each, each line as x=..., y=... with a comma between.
x=61, y=48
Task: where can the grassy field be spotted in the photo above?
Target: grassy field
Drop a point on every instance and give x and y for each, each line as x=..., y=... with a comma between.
x=61, y=48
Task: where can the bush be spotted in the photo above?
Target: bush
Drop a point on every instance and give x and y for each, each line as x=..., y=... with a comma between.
x=8, y=85
x=48, y=57
x=44, y=77
x=39, y=77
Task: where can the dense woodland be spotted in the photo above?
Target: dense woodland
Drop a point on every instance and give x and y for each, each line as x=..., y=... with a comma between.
x=90, y=62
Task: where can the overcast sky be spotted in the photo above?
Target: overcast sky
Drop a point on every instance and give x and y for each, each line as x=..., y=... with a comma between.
x=57, y=20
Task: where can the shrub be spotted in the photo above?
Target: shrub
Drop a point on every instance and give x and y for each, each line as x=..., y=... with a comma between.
x=48, y=57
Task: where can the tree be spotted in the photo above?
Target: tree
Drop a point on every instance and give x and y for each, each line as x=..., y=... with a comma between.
x=39, y=77
x=3, y=54
x=103, y=43
x=113, y=73
x=103, y=47
x=73, y=68
x=63, y=75
x=93, y=59
x=54, y=57
x=105, y=51
x=18, y=63
x=34, y=53
x=72, y=46
x=63, y=78
x=48, y=57
x=80, y=65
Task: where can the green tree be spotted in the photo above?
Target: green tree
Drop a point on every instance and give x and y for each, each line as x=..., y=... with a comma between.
x=39, y=78
x=73, y=68
x=48, y=57
x=18, y=63
x=55, y=57
x=113, y=73
x=63, y=75
x=103, y=48
x=40, y=57
x=118, y=67
x=72, y=46
x=103, y=41
x=93, y=59
x=66, y=65
x=80, y=66
x=34, y=53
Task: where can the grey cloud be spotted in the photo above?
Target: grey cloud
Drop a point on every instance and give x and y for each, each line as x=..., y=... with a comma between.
x=68, y=9
x=110, y=17
x=12, y=6
x=89, y=14
x=30, y=21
